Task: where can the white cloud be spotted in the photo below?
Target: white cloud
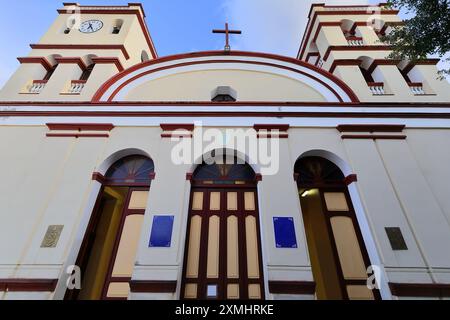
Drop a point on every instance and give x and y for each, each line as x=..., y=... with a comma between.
x=274, y=26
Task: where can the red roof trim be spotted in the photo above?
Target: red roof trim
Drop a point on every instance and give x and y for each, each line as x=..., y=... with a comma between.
x=82, y=47
x=119, y=76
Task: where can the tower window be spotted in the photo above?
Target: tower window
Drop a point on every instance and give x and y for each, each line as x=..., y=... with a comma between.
x=50, y=72
x=87, y=72
x=224, y=94
x=367, y=75
x=117, y=26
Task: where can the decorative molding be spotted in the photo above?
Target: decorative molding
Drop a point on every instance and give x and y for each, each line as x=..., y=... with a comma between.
x=344, y=62
x=82, y=47
x=426, y=62
x=109, y=60
x=77, y=130
x=75, y=135
x=382, y=62
x=80, y=126
x=121, y=81
x=374, y=137
x=356, y=48
x=350, y=179
x=371, y=128
x=97, y=176
x=292, y=287
x=156, y=286
x=177, y=130
x=38, y=60
x=258, y=177
x=71, y=60
x=431, y=290
x=28, y=285
x=189, y=176
x=272, y=131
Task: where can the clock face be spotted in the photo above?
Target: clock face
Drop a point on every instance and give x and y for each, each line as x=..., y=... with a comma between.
x=91, y=26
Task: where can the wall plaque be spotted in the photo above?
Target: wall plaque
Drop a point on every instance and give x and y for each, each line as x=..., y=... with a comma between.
x=161, y=235
x=284, y=232
x=396, y=239
x=51, y=237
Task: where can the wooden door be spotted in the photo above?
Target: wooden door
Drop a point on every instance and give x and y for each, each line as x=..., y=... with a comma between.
x=121, y=265
x=223, y=247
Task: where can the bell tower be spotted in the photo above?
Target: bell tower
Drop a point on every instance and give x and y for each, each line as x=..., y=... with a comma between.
x=347, y=42
x=84, y=47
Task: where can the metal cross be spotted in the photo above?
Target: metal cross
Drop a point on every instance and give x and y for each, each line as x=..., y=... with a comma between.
x=227, y=33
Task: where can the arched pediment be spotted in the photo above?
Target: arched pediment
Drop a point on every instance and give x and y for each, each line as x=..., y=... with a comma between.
x=254, y=76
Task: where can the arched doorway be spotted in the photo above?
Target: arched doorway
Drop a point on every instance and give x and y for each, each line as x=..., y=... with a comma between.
x=223, y=246
x=107, y=255
x=338, y=255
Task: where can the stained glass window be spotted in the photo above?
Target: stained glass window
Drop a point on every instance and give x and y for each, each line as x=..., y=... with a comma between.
x=228, y=172
x=131, y=170
x=317, y=170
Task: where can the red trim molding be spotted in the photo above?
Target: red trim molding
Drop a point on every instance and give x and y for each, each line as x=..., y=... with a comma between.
x=355, y=48
x=75, y=135
x=373, y=137
x=292, y=287
x=97, y=176
x=174, y=127
x=350, y=179
x=420, y=290
x=382, y=62
x=272, y=131
x=98, y=95
x=371, y=128
x=82, y=47
x=80, y=126
x=148, y=286
x=344, y=62
x=38, y=60
x=28, y=285
x=177, y=130
x=109, y=60
x=427, y=62
x=71, y=60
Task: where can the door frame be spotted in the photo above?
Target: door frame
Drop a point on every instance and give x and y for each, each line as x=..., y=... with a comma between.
x=351, y=213
x=223, y=281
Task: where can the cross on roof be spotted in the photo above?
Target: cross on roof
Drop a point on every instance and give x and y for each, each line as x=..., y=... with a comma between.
x=227, y=33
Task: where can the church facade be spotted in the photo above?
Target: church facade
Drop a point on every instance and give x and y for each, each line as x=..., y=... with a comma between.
x=223, y=174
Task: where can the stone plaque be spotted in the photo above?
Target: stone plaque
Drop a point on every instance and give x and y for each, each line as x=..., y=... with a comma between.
x=51, y=237
x=396, y=239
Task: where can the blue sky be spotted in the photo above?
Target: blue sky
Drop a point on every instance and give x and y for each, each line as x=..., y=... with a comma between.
x=177, y=26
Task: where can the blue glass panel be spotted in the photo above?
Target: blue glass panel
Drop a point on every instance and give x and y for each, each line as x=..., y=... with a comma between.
x=161, y=236
x=284, y=232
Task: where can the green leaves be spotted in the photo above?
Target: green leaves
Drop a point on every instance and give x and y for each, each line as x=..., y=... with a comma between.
x=426, y=33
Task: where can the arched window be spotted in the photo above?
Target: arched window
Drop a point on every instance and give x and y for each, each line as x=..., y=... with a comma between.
x=131, y=170
x=144, y=56
x=338, y=254
x=227, y=171
x=50, y=72
x=117, y=26
x=87, y=72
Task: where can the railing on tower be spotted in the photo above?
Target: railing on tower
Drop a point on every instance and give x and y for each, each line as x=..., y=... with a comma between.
x=77, y=86
x=355, y=41
x=37, y=86
x=416, y=88
x=377, y=88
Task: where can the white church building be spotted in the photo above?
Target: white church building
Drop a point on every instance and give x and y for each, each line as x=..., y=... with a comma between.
x=223, y=174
